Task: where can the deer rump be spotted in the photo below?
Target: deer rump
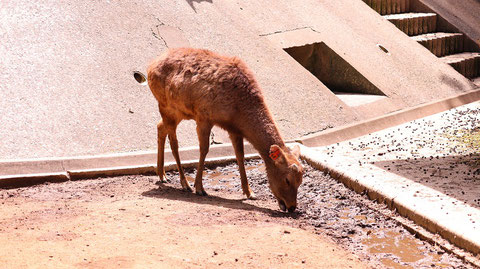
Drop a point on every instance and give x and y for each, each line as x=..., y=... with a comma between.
x=217, y=90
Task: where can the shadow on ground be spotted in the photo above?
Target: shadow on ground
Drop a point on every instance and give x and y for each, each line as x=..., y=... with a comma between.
x=173, y=193
x=190, y=2
x=455, y=176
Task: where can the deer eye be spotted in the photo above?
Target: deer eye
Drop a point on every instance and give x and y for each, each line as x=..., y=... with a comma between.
x=288, y=182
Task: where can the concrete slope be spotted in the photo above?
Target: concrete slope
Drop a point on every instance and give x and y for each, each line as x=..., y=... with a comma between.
x=68, y=88
x=407, y=74
x=67, y=85
x=67, y=68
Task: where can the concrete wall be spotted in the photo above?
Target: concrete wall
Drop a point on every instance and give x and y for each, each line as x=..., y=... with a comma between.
x=67, y=85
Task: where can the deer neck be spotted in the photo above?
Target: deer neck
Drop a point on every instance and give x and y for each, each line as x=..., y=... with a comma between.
x=262, y=132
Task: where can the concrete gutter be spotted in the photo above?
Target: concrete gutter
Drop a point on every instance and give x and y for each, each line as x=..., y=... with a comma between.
x=361, y=128
x=450, y=219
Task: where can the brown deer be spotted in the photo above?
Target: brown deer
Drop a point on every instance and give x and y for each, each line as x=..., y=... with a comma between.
x=217, y=90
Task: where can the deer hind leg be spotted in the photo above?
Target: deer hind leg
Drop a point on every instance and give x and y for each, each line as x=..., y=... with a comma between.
x=203, y=132
x=172, y=137
x=237, y=142
x=162, y=135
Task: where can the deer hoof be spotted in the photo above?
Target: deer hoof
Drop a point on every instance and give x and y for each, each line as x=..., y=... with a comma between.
x=160, y=182
x=250, y=195
x=186, y=187
x=201, y=193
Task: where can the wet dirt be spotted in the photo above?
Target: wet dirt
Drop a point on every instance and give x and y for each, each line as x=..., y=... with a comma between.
x=129, y=221
x=349, y=218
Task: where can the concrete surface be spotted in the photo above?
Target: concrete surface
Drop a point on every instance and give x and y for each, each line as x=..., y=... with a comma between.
x=20, y=173
x=427, y=169
x=357, y=99
x=67, y=68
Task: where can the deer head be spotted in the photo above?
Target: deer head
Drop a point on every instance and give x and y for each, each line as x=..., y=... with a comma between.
x=284, y=175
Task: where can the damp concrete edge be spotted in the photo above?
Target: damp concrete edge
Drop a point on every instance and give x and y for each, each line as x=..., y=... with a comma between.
x=401, y=203
x=28, y=172
x=364, y=127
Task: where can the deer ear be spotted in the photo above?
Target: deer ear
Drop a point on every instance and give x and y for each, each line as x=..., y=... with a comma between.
x=296, y=151
x=275, y=152
x=295, y=168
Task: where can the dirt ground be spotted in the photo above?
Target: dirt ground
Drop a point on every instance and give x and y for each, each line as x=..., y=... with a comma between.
x=130, y=222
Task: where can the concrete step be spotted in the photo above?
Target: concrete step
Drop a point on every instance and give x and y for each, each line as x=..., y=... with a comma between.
x=476, y=81
x=441, y=44
x=414, y=23
x=386, y=7
x=466, y=63
x=358, y=99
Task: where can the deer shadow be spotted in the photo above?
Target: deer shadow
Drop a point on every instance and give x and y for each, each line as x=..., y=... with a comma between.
x=190, y=2
x=172, y=193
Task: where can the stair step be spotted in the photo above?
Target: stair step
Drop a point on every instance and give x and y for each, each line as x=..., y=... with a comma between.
x=476, y=81
x=414, y=23
x=466, y=63
x=358, y=99
x=385, y=7
x=441, y=44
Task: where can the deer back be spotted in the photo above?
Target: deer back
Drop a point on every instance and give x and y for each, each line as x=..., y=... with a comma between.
x=201, y=85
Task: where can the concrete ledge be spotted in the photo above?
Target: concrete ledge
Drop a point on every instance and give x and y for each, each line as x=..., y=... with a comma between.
x=449, y=218
x=358, y=129
x=148, y=169
x=22, y=173
x=111, y=171
x=53, y=165
x=25, y=180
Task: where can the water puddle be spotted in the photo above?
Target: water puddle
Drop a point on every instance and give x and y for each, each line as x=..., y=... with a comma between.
x=394, y=248
x=391, y=264
x=261, y=167
x=399, y=248
x=360, y=217
x=221, y=179
x=190, y=179
x=406, y=249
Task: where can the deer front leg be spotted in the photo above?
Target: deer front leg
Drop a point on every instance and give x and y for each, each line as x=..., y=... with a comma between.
x=237, y=142
x=162, y=135
x=203, y=132
x=172, y=136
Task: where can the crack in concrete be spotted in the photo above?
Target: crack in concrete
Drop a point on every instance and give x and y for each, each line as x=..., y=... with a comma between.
x=157, y=33
x=319, y=130
x=290, y=30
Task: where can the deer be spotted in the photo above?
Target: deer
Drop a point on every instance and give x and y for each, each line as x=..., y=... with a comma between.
x=216, y=90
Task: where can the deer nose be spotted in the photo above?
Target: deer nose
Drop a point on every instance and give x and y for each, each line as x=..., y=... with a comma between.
x=291, y=209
